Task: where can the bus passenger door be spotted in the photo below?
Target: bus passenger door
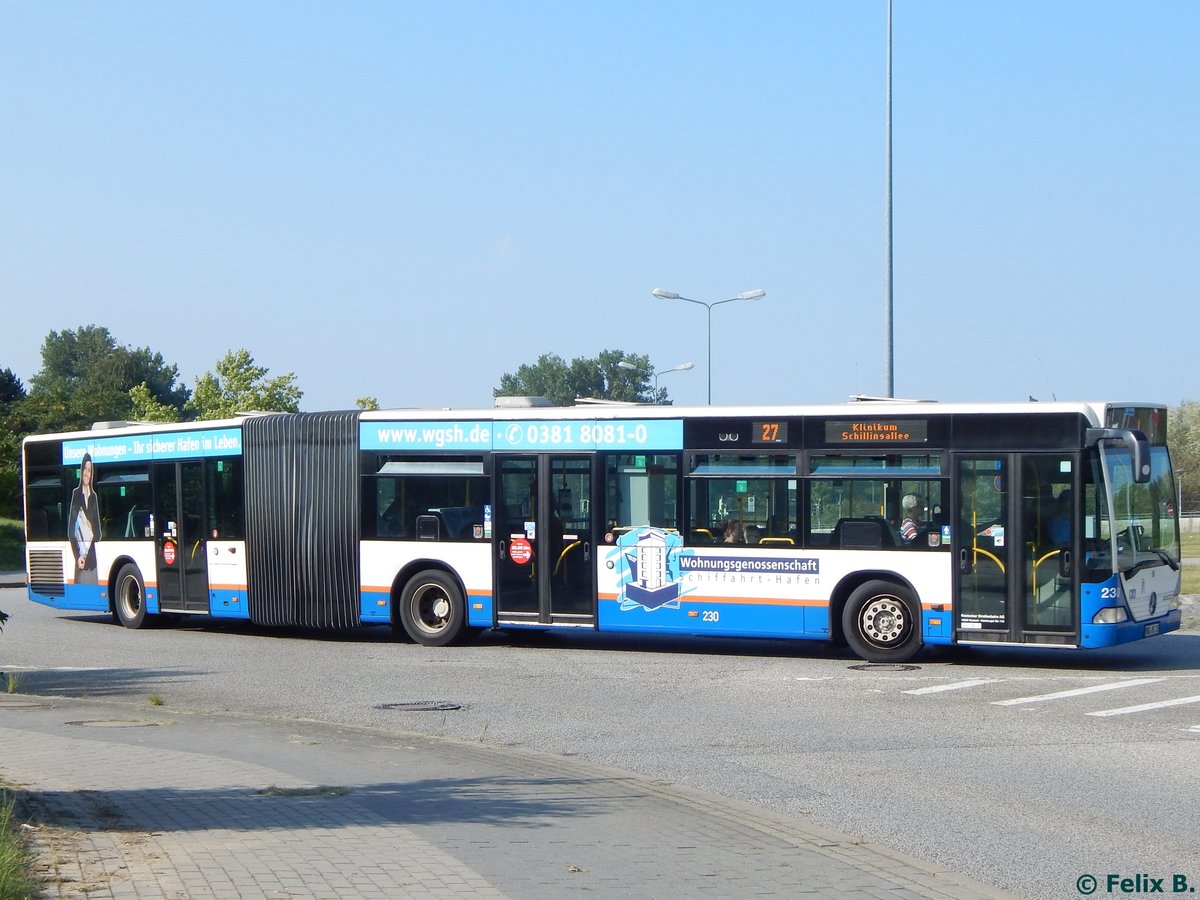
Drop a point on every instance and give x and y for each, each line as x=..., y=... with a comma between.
x=516, y=539
x=1015, y=549
x=180, y=547
x=544, y=539
x=983, y=549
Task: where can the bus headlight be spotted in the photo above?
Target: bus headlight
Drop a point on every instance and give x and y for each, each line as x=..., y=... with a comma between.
x=1110, y=615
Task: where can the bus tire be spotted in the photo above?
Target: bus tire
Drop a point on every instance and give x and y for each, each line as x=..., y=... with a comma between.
x=432, y=608
x=882, y=622
x=129, y=597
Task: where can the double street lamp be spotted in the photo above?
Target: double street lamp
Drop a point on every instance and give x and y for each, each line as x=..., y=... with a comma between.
x=708, y=304
x=682, y=367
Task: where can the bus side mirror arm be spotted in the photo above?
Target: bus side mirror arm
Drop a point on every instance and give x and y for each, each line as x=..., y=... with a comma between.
x=1139, y=448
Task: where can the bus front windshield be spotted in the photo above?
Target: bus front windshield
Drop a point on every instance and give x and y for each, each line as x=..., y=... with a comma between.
x=1143, y=527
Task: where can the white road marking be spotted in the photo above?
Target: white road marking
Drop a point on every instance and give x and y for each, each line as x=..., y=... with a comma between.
x=958, y=685
x=1077, y=692
x=1142, y=707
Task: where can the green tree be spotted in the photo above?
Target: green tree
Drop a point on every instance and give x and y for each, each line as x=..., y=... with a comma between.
x=11, y=389
x=238, y=385
x=86, y=377
x=12, y=429
x=146, y=409
x=367, y=403
x=601, y=378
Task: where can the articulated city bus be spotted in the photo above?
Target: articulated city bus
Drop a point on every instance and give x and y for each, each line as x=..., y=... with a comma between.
x=885, y=525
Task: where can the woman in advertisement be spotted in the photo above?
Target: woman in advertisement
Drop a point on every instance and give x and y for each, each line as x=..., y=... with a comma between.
x=83, y=523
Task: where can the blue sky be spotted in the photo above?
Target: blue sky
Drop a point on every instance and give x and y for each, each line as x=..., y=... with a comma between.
x=407, y=200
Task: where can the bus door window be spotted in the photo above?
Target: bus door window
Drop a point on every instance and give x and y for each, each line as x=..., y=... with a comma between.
x=544, y=539
x=570, y=541
x=178, y=531
x=984, y=545
x=1048, y=540
x=517, y=536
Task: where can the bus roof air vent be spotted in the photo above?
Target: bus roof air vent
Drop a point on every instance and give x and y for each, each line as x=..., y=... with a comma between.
x=521, y=402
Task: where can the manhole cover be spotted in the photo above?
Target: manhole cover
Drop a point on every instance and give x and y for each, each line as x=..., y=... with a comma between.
x=114, y=723
x=421, y=706
x=884, y=667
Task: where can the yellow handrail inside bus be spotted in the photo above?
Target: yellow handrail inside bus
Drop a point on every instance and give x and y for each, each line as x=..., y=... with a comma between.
x=979, y=551
x=567, y=549
x=976, y=549
x=1038, y=563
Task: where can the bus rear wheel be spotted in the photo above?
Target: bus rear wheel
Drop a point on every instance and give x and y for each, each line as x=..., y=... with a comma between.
x=129, y=597
x=882, y=623
x=432, y=608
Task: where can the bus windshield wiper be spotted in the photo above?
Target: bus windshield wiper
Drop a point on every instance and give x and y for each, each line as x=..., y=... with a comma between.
x=1161, y=556
x=1166, y=557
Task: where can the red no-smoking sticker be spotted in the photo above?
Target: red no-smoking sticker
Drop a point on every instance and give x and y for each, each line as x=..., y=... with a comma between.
x=169, y=553
x=520, y=551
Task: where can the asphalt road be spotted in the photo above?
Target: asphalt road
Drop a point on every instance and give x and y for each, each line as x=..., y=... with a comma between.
x=1025, y=770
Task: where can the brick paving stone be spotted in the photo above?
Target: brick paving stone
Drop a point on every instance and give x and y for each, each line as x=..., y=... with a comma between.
x=214, y=807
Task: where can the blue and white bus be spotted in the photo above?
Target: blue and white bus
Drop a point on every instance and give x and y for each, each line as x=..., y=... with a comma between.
x=886, y=525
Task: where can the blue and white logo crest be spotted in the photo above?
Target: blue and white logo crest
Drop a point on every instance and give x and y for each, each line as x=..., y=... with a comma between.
x=649, y=576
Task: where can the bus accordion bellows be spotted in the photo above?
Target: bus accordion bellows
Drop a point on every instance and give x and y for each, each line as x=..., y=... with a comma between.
x=884, y=525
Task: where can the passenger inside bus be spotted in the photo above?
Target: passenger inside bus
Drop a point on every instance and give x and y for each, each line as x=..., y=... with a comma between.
x=910, y=525
x=1059, y=525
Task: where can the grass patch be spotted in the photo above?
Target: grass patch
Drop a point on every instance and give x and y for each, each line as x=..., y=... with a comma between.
x=1190, y=579
x=1190, y=541
x=1190, y=544
x=12, y=544
x=17, y=879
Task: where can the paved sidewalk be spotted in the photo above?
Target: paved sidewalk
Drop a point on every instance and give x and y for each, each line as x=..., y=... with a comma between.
x=146, y=801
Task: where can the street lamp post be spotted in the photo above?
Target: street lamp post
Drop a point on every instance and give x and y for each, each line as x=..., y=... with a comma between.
x=708, y=304
x=682, y=367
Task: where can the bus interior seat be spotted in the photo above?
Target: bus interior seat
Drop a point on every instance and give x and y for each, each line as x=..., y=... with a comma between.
x=862, y=534
x=455, y=521
x=136, y=522
x=428, y=528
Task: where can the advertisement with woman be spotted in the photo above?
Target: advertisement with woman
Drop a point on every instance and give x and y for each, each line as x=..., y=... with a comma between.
x=83, y=523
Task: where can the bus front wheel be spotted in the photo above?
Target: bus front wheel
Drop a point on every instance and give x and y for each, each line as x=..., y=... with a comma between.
x=129, y=597
x=882, y=622
x=432, y=609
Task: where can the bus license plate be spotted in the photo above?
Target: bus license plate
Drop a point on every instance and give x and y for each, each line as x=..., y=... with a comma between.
x=1151, y=629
